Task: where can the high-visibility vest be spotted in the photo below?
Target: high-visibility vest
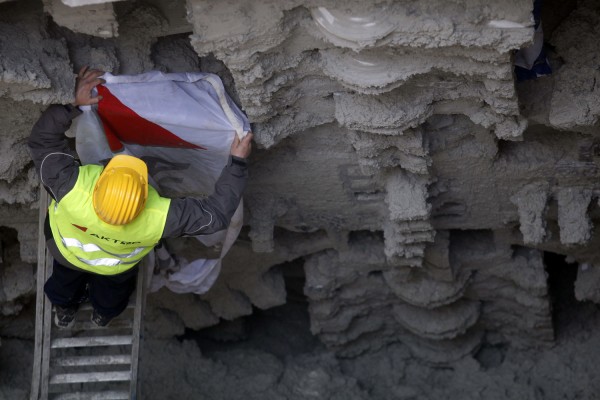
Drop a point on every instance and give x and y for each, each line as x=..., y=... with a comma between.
x=89, y=243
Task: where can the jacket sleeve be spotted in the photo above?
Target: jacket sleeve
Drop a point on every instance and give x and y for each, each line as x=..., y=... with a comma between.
x=55, y=163
x=194, y=216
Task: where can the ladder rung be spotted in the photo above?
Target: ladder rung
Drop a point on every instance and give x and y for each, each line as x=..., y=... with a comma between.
x=107, y=395
x=88, y=306
x=92, y=360
x=82, y=377
x=117, y=323
x=91, y=341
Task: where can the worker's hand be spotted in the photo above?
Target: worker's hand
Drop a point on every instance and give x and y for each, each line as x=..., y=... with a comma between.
x=87, y=79
x=242, y=148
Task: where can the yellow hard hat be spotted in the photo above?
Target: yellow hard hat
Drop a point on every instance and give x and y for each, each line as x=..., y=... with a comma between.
x=121, y=191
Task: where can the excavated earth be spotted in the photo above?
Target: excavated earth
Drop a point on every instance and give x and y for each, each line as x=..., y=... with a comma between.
x=418, y=224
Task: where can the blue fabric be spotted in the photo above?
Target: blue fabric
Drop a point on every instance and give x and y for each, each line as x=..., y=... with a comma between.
x=541, y=66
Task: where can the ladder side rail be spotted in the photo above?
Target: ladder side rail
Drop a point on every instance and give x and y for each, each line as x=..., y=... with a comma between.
x=39, y=302
x=140, y=298
x=47, y=334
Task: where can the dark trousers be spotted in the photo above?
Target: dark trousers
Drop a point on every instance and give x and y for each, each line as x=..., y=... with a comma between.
x=109, y=294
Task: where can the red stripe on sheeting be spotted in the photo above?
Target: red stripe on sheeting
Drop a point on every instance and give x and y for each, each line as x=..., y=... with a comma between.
x=123, y=125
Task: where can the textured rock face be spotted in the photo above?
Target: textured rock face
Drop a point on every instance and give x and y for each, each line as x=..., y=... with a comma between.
x=396, y=162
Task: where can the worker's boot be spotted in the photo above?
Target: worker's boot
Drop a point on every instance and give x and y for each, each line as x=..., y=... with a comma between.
x=65, y=316
x=100, y=320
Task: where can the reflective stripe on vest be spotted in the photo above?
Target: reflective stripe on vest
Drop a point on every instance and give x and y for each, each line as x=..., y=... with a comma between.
x=91, y=247
x=89, y=243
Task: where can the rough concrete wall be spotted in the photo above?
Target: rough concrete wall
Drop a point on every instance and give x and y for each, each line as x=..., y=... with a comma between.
x=394, y=158
x=380, y=83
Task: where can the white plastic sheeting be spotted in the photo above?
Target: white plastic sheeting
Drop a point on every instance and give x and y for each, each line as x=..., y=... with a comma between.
x=182, y=125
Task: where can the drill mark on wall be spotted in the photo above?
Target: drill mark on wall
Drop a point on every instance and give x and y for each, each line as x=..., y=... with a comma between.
x=360, y=187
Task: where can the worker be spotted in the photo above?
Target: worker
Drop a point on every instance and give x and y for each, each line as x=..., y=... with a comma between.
x=103, y=220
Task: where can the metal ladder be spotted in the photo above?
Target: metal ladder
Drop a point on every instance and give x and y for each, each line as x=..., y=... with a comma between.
x=85, y=361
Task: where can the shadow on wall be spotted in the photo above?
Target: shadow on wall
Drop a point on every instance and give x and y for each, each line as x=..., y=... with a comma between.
x=567, y=311
x=281, y=331
x=8, y=240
